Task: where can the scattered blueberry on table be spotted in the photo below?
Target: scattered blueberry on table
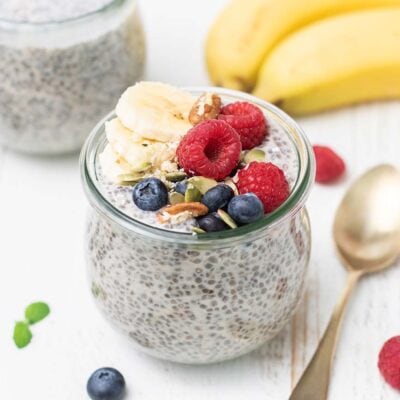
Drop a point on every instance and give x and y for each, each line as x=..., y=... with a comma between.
x=106, y=384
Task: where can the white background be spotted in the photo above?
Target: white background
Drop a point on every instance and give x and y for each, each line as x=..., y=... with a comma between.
x=42, y=212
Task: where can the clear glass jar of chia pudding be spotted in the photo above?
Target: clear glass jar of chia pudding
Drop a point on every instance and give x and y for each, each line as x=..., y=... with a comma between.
x=55, y=59
x=209, y=297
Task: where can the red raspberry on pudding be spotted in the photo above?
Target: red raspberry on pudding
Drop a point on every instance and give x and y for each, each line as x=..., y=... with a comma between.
x=266, y=181
x=248, y=121
x=211, y=149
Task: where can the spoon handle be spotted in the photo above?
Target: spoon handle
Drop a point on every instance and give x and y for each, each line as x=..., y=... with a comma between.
x=314, y=383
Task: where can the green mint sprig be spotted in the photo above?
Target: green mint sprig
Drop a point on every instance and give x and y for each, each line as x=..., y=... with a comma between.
x=22, y=334
x=34, y=313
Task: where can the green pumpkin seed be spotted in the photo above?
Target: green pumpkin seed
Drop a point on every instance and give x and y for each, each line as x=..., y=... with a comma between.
x=196, y=229
x=176, y=198
x=227, y=219
x=192, y=194
x=232, y=185
x=175, y=176
x=202, y=183
x=254, y=155
x=129, y=179
x=142, y=167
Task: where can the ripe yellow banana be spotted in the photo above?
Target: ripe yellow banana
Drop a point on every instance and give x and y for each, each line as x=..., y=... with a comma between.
x=337, y=61
x=247, y=30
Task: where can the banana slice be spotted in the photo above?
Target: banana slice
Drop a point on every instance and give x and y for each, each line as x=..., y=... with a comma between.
x=155, y=111
x=112, y=165
x=115, y=126
x=125, y=144
x=135, y=151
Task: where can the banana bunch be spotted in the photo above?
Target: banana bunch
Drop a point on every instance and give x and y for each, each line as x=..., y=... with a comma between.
x=308, y=55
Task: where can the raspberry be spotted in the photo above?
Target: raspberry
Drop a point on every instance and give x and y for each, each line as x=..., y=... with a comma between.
x=248, y=120
x=211, y=149
x=266, y=181
x=389, y=362
x=330, y=166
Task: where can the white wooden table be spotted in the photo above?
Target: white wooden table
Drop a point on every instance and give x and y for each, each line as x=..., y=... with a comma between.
x=42, y=212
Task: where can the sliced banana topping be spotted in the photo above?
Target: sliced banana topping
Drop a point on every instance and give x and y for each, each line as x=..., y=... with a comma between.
x=151, y=119
x=155, y=111
x=136, y=151
x=112, y=165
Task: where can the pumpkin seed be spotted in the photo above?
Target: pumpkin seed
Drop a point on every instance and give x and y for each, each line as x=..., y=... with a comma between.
x=175, y=176
x=142, y=167
x=129, y=179
x=176, y=198
x=202, y=183
x=227, y=219
x=196, y=229
x=192, y=193
x=254, y=155
x=232, y=185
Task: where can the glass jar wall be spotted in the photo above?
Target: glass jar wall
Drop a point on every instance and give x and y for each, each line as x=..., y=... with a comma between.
x=199, y=298
x=57, y=78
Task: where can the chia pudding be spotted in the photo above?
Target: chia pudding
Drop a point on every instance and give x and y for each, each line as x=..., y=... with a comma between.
x=56, y=56
x=179, y=288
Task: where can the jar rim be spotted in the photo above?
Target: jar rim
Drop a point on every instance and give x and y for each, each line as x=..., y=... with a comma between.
x=295, y=201
x=110, y=5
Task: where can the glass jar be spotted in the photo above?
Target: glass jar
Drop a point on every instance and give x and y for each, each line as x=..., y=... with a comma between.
x=199, y=298
x=57, y=79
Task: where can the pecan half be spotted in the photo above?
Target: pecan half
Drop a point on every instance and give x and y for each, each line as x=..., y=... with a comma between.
x=206, y=107
x=192, y=209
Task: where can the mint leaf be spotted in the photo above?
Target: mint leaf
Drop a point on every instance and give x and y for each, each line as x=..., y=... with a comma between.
x=36, y=312
x=22, y=334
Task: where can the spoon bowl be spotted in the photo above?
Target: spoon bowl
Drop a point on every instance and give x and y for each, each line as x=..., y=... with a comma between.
x=367, y=223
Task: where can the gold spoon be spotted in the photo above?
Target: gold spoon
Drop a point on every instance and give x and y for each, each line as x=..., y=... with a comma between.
x=367, y=237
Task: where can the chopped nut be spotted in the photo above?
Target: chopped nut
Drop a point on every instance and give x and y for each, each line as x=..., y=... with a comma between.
x=195, y=209
x=206, y=107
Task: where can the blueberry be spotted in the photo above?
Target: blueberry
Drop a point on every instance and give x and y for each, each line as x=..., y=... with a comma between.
x=212, y=223
x=106, y=384
x=150, y=194
x=246, y=208
x=181, y=187
x=217, y=197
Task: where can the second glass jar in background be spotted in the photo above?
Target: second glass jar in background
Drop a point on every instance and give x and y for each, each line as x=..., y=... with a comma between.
x=58, y=78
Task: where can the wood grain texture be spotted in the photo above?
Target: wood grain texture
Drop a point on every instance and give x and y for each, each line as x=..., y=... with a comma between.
x=42, y=213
